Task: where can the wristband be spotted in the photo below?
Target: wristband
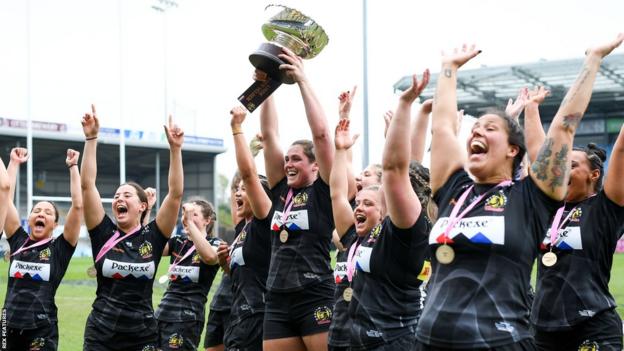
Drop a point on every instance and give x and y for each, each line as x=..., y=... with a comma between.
x=91, y=138
x=72, y=165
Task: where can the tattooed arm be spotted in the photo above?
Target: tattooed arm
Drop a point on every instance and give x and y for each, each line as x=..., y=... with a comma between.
x=550, y=170
x=444, y=122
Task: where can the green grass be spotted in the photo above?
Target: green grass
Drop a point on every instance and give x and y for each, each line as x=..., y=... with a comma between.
x=77, y=292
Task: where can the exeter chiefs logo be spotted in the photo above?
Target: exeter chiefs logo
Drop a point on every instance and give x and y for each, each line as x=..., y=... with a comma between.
x=149, y=348
x=374, y=235
x=300, y=199
x=576, y=214
x=323, y=315
x=496, y=202
x=176, y=341
x=145, y=250
x=37, y=344
x=195, y=258
x=589, y=346
x=44, y=255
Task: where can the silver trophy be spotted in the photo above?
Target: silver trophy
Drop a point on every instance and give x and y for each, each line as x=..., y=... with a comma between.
x=288, y=28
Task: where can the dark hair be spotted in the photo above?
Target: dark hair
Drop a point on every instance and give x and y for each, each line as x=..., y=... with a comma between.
x=515, y=136
x=207, y=210
x=141, y=194
x=308, y=148
x=56, y=211
x=596, y=157
x=419, y=178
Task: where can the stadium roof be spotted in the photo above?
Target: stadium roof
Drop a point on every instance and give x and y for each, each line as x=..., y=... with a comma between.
x=478, y=89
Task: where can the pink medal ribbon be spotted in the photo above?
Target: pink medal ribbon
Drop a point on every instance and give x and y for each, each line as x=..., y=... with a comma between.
x=351, y=261
x=37, y=243
x=454, y=218
x=288, y=204
x=111, y=242
x=178, y=259
x=238, y=237
x=557, y=223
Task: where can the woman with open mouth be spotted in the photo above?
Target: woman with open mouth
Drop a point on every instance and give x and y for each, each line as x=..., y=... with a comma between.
x=573, y=308
x=193, y=267
x=489, y=228
x=247, y=258
x=38, y=262
x=126, y=253
x=300, y=282
x=387, y=268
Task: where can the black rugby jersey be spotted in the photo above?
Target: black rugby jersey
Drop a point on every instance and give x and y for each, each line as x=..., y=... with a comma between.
x=340, y=328
x=304, y=259
x=480, y=300
x=577, y=287
x=125, y=277
x=392, y=270
x=189, y=283
x=34, y=276
x=249, y=267
x=222, y=298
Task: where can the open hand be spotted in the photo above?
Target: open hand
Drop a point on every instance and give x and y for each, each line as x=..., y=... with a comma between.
x=416, y=88
x=343, y=139
x=346, y=99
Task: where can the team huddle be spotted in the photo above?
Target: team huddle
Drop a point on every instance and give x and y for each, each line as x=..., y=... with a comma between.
x=436, y=258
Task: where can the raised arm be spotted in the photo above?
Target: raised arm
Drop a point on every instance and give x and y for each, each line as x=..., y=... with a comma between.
x=18, y=156
x=71, y=230
x=338, y=180
x=206, y=252
x=93, y=209
x=5, y=188
x=167, y=215
x=613, y=182
x=551, y=168
x=323, y=146
x=151, y=201
x=447, y=153
x=273, y=154
x=258, y=198
x=419, y=131
x=344, y=112
x=533, y=130
x=514, y=107
x=401, y=201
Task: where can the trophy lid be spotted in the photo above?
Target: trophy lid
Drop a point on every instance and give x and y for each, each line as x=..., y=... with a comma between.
x=291, y=23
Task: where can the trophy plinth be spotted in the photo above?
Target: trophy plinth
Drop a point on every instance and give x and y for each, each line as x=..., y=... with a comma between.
x=287, y=28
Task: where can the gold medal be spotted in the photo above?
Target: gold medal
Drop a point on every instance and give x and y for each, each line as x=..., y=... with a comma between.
x=347, y=294
x=283, y=236
x=445, y=254
x=549, y=259
x=163, y=279
x=7, y=256
x=92, y=272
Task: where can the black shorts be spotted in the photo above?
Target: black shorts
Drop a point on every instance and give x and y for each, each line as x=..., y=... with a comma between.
x=179, y=335
x=524, y=345
x=100, y=338
x=299, y=313
x=216, y=325
x=245, y=335
x=404, y=343
x=601, y=332
x=43, y=338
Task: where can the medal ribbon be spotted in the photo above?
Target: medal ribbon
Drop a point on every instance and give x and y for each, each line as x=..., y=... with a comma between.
x=178, y=259
x=238, y=237
x=37, y=243
x=557, y=223
x=351, y=260
x=288, y=204
x=454, y=218
x=111, y=242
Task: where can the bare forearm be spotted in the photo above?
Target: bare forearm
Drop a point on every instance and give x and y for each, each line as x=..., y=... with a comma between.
x=419, y=135
x=533, y=130
x=445, y=100
x=206, y=252
x=396, y=152
x=88, y=167
x=273, y=156
x=176, y=174
x=613, y=185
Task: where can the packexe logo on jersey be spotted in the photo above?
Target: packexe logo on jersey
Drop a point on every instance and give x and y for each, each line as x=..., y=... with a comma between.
x=129, y=267
x=28, y=266
x=30, y=270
